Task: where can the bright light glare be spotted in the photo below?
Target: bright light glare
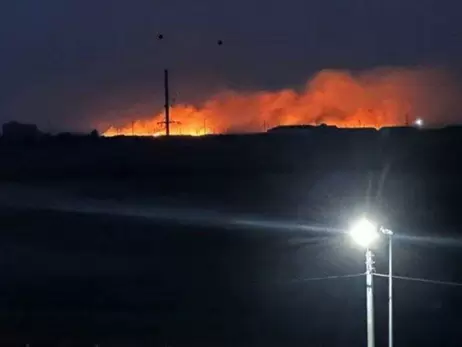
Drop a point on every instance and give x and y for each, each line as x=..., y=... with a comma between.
x=419, y=122
x=364, y=233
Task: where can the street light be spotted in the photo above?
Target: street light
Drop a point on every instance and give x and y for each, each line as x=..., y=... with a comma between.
x=365, y=234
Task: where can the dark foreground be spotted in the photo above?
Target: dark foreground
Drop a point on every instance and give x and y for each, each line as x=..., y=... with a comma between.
x=73, y=279
x=100, y=267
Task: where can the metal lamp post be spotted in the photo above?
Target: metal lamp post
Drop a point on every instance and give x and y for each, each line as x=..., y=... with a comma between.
x=389, y=233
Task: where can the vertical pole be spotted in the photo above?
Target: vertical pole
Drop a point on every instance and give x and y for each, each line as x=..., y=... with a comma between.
x=167, y=104
x=370, y=299
x=390, y=292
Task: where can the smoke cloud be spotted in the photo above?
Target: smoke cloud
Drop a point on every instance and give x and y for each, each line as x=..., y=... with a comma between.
x=374, y=98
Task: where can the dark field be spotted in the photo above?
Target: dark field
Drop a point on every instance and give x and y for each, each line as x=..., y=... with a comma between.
x=127, y=242
x=76, y=279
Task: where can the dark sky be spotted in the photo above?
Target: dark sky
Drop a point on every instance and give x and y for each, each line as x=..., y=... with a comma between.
x=77, y=63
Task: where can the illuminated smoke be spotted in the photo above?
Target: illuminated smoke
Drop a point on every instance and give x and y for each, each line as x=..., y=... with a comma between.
x=376, y=98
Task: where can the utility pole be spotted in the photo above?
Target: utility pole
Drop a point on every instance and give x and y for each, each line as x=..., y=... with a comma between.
x=167, y=104
x=370, y=299
x=160, y=37
x=167, y=120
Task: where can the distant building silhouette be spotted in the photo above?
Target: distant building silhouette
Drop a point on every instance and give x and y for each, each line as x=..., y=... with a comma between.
x=19, y=132
x=398, y=131
x=290, y=129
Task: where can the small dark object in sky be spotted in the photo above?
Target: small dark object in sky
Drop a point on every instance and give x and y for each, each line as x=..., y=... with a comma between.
x=220, y=42
x=160, y=36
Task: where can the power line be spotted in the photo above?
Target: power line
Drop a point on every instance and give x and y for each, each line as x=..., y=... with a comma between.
x=423, y=280
x=327, y=278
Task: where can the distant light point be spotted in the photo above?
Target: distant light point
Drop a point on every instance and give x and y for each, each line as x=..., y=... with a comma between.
x=419, y=122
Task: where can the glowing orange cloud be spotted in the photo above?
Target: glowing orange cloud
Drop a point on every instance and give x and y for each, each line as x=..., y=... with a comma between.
x=382, y=97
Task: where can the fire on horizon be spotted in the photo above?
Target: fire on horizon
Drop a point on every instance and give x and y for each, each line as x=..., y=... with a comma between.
x=377, y=98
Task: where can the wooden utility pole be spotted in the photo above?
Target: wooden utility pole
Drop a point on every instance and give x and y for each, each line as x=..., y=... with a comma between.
x=406, y=119
x=167, y=104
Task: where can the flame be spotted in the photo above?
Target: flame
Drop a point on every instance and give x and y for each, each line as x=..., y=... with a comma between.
x=185, y=120
x=384, y=97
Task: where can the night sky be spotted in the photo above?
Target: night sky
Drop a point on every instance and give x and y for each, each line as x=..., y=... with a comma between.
x=77, y=64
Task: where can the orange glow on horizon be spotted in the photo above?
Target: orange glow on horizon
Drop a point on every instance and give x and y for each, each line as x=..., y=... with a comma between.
x=373, y=99
x=196, y=127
